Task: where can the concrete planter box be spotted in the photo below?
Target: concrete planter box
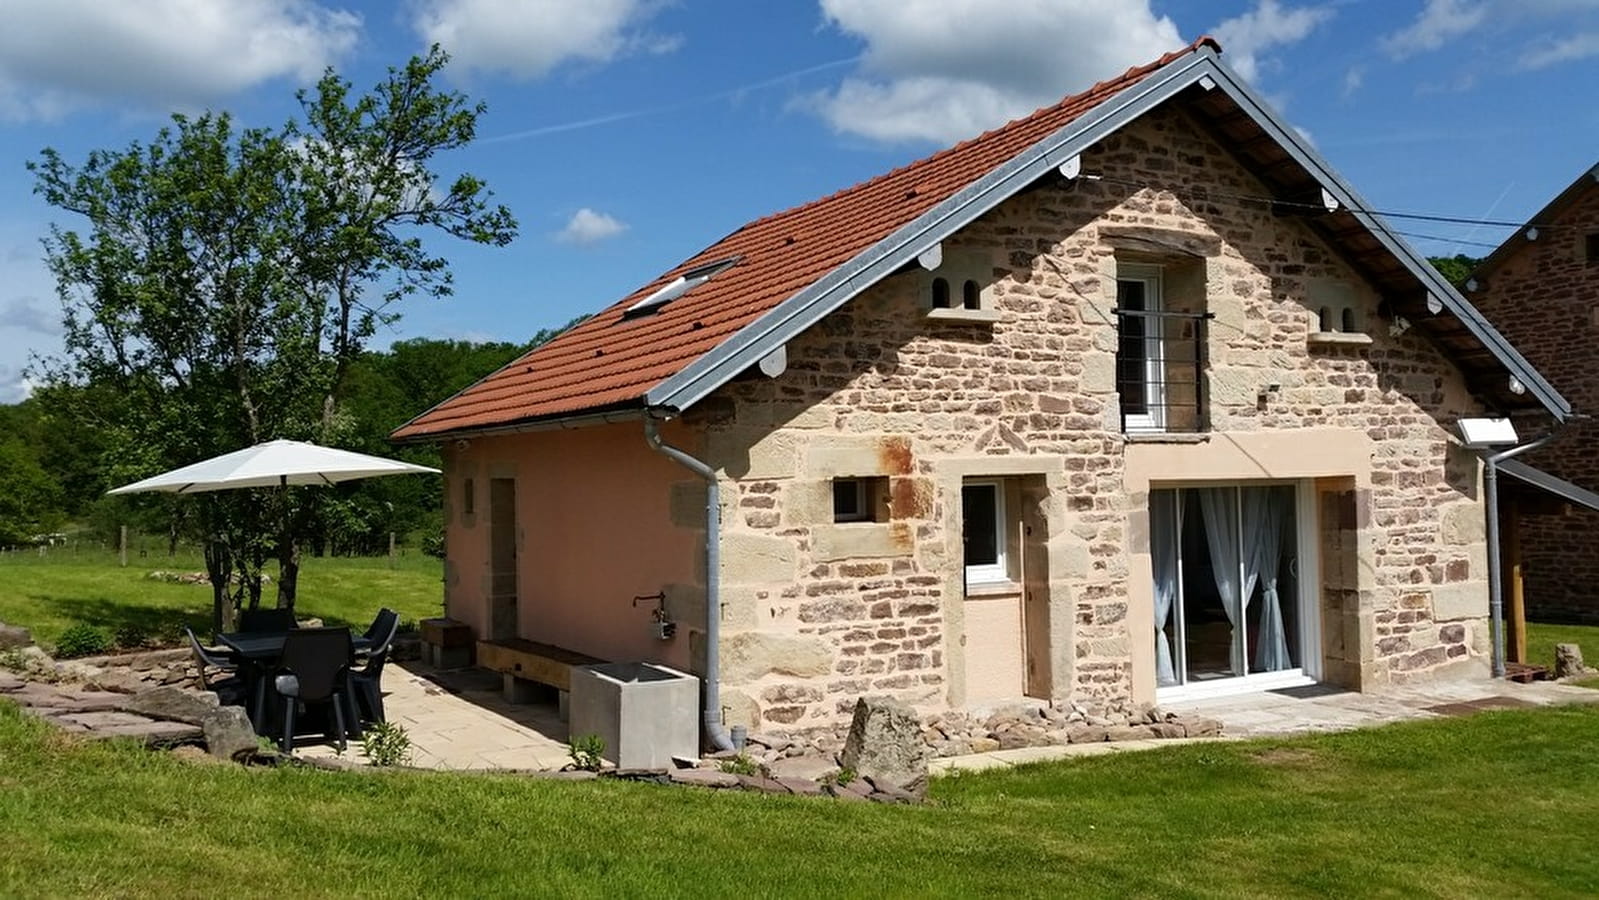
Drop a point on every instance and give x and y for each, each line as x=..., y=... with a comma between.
x=645, y=713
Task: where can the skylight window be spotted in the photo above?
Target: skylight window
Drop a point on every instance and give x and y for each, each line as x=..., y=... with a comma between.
x=681, y=285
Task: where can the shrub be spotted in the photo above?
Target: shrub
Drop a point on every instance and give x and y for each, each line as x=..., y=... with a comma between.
x=741, y=765
x=82, y=640
x=132, y=637
x=386, y=744
x=433, y=545
x=14, y=660
x=587, y=752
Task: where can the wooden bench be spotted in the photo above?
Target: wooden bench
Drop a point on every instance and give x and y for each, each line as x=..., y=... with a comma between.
x=522, y=663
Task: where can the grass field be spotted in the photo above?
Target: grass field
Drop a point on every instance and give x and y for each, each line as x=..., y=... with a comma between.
x=1499, y=804
x=46, y=594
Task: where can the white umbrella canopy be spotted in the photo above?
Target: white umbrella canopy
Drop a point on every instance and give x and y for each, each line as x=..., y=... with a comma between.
x=272, y=464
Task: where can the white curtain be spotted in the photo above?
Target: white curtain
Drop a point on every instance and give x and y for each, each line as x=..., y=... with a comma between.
x=1165, y=527
x=1266, y=513
x=1219, y=507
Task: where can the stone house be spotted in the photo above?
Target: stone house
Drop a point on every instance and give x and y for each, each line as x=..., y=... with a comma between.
x=1127, y=400
x=1540, y=288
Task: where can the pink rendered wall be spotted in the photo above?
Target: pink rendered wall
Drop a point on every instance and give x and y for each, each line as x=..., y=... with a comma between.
x=596, y=530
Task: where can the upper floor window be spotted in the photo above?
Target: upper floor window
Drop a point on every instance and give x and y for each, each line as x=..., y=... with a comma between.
x=1159, y=354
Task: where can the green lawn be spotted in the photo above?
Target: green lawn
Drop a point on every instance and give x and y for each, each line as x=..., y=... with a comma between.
x=1542, y=638
x=1499, y=804
x=49, y=593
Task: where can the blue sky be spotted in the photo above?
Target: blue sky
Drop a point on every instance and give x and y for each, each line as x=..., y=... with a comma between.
x=627, y=134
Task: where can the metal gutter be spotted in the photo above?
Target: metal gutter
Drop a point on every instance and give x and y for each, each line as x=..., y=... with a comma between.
x=557, y=423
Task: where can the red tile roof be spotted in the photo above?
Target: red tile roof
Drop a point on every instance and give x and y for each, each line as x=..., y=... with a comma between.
x=610, y=361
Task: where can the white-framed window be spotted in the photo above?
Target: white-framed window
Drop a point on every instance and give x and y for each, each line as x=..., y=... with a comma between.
x=1140, y=356
x=858, y=499
x=983, y=532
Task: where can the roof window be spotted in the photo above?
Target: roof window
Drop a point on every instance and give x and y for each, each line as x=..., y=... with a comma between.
x=680, y=285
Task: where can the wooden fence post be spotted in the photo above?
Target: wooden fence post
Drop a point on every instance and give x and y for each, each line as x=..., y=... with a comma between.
x=122, y=547
x=391, y=549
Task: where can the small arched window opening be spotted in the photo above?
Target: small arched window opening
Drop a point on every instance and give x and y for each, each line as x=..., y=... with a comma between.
x=1324, y=319
x=971, y=295
x=1348, y=325
x=941, y=293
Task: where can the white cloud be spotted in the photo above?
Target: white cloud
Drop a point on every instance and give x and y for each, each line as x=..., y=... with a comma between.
x=1439, y=22
x=1553, y=52
x=15, y=387
x=1247, y=37
x=59, y=55
x=942, y=70
x=589, y=227
x=29, y=314
x=529, y=39
x=1354, y=78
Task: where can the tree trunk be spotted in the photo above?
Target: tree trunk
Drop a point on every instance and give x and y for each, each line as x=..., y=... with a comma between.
x=219, y=569
x=288, y=569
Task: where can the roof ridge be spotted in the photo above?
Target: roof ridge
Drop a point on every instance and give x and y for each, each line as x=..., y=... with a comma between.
x=1132, y=73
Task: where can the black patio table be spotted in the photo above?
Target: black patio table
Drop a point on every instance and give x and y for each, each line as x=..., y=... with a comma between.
x=266, y=646
x=259, y=650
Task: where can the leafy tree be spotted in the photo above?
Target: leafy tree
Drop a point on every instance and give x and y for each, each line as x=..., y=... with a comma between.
x=228, y=281
x=30, y=499
x=1455, y=268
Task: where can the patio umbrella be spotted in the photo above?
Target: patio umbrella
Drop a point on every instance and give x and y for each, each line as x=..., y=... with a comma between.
x=273, y=464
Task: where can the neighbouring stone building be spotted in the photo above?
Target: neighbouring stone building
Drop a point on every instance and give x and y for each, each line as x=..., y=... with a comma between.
x=1125, y=401
x=1541, y=290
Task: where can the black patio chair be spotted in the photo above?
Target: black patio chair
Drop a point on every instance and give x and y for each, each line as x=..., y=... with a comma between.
x=366, y=688
x=231, y=685
x=314, y=671
x=382, y=631
x=258, y=620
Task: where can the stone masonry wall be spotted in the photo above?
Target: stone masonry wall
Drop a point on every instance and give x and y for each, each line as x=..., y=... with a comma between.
x=817, y=613
x=1544, y=297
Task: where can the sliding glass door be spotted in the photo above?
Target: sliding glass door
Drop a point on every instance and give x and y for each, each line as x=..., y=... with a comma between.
x=1228, y=602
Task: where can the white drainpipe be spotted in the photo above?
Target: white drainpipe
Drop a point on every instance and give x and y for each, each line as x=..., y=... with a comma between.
x=711, y=717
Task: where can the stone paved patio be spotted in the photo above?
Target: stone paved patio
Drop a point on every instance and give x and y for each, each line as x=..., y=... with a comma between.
x=458, y=720
x=1306, y=711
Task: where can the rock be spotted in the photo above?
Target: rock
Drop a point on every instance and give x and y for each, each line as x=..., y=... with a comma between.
x=760, y=783
x=1087, y=734
x=35, y=656
x=172, y=704
x=14, y=636
x=769, y=741
x=803, y=768
x=10, y=682
x=1168, y=730
x=885, y=744
x=800, y=786
x=845, y=794
x=1022, y=736
x=705, y=778
x=228, y=733
x=983, y=745
x=1199, y=726
x=1568, y=661
x=1101, y=721
x=1129, y=732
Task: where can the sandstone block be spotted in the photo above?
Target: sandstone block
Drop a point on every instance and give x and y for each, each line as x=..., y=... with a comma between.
x=750, y=558
x=749, y=655
x=1568, y=661
x=1464, y=523
x=859, y=540
x=1467, y=600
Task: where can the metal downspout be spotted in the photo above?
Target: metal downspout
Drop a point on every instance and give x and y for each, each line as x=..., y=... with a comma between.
x=711, y=716
x=1496, y=587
